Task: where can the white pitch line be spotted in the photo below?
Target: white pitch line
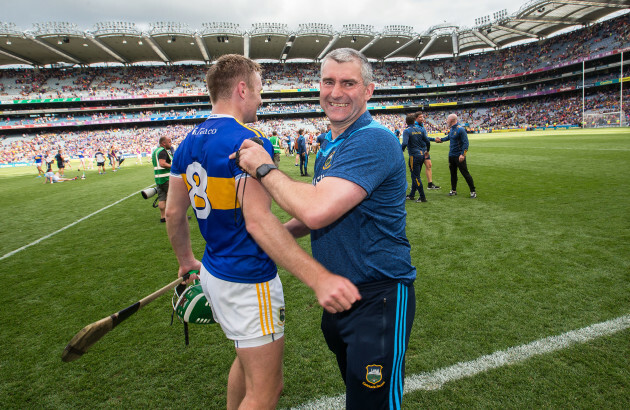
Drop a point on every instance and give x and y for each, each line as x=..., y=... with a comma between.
x=66, y=227
x=435, y=380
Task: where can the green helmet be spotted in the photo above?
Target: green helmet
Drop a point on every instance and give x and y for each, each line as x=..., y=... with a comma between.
x=191, y=306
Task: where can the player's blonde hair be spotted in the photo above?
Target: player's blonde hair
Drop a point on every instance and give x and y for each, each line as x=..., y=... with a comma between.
x=226, y=72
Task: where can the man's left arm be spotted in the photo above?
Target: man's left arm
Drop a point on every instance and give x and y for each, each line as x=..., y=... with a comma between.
x=463, y=137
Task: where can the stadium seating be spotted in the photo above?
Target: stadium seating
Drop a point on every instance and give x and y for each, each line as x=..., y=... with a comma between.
x=166, y=95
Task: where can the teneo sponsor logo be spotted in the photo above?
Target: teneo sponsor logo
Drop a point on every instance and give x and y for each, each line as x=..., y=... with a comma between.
x=202, y=131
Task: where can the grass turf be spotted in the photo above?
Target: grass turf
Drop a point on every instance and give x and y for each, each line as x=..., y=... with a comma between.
x=543, y=250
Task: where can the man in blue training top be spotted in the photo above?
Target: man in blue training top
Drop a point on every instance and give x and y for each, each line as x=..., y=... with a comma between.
x=242, y=236
x=358, y=231
x=301, y=151
x=457, y=154
x=321, y=137
x=416, y=139
x=427, y=157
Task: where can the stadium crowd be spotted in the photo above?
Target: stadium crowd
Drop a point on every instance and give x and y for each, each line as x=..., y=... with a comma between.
x=189, y=79
x=559, y=108
x=549, y=111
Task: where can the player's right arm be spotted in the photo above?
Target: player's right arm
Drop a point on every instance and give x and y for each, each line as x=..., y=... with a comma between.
x=334, y=293
x=177, y=203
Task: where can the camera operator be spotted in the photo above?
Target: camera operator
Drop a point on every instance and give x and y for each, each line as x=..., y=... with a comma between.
x=162, y=157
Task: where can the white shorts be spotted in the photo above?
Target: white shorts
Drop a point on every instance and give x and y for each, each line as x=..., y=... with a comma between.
x=251, y=314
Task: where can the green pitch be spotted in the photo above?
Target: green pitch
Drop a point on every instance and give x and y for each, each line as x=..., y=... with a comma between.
x=543, y=250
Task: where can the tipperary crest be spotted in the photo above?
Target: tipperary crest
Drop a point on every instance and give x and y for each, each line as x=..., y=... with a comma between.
x=374, y=375
x=282, y=316
x=329, y=159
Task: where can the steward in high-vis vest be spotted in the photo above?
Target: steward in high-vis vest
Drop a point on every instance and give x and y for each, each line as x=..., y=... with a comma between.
x=162, y=158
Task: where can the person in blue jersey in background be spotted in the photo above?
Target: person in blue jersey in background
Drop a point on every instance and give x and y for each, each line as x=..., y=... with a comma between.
x=457, y=154
x=428, y=166
x=39, y=158
x=320, y=138
x=416, y=139
x=358, y=230
x=303, y=154
x=243, y=237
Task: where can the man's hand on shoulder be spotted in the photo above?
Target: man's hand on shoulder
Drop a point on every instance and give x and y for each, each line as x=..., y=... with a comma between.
x=251, y=155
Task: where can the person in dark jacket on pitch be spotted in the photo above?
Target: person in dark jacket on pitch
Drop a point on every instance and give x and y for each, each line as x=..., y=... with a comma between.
x=457, y=154
x=415, y=138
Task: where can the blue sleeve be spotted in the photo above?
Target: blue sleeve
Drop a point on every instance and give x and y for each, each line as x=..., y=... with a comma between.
x=405, y=139
x=464, y=138
x=267, y=145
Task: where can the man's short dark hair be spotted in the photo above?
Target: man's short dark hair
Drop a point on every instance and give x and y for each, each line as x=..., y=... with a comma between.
x=410, y=119
x=226, y=72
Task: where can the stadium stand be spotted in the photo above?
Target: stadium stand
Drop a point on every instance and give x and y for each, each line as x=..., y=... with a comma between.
x=538, y=84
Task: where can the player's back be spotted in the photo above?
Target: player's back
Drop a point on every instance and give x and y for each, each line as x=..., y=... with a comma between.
x=202, y=160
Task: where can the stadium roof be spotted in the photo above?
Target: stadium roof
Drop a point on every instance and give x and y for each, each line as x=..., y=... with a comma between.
x=170, y=42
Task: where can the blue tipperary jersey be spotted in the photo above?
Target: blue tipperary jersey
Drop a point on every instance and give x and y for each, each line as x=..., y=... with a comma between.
x=202, y=161
x=369, y=243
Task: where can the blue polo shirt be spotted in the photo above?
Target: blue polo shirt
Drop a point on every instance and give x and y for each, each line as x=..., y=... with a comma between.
x=369, y=243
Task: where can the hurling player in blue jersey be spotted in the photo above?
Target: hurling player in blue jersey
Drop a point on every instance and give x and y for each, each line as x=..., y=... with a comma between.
x=243, y=237
x=357, y=230
x=38, y=163
x=457, y=154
